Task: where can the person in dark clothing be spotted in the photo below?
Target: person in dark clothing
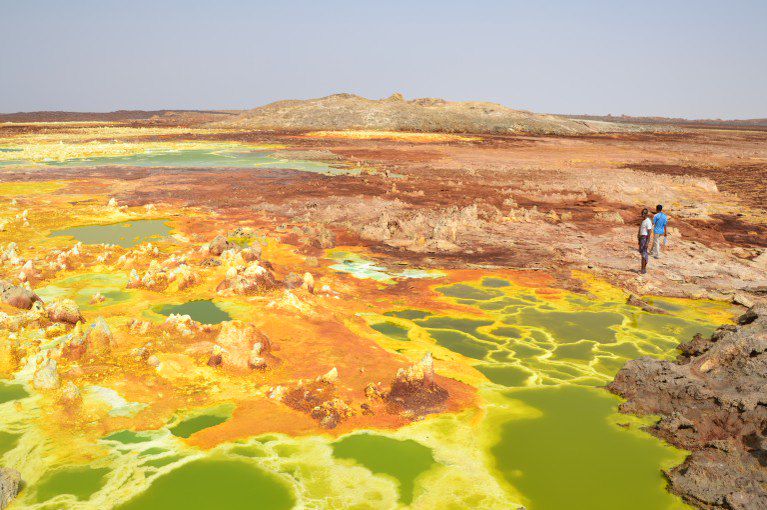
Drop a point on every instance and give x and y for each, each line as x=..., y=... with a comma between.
x=643, y=236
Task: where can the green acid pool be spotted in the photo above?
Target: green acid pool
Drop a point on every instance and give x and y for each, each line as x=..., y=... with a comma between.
x=80, y=482
x=554, y=437
x=125, y=234
x=544, y=434
x=83, y=287
x=571, y=453
x=203, y=311
x=403, y=460
x=223, y=156
x=193, y=423
x=11, y=391
x=212, y=484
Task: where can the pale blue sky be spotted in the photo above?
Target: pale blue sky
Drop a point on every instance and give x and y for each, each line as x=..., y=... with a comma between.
x=674, y=58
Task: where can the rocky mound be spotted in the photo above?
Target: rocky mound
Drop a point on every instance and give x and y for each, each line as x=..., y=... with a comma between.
x=348, y=111
x=713, y=402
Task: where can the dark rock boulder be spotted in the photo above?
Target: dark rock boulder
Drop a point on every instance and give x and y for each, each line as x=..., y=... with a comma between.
x=712, y=401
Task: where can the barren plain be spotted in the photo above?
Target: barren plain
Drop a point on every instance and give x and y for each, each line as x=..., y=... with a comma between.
x=197, y=307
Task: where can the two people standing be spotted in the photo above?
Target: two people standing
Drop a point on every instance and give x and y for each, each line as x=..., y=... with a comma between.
x=656, y=227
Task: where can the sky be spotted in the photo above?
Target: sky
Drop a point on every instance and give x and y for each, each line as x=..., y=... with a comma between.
x=694, y=59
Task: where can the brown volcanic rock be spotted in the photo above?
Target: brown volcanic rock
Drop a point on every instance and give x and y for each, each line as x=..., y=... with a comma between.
x=414, y=390
x=712, y=401
x=349, y=111
x=318, y=399
x=17, y=295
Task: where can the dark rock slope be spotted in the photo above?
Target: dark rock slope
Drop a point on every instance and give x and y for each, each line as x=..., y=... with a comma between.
x=712, y=401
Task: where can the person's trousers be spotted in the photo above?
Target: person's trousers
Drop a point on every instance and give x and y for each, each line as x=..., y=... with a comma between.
x=643, y=242
x=656, y=242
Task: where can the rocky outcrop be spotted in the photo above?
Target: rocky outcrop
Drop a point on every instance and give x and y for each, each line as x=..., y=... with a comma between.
x=99, y=337
x=65, y=310
x=293, y=281
x=317, y=398
x=252, y=253
x=219, y=245
x=10, y=486
x=70, y=392
x=161, y=274
x=252, y=279
x=17, y=295
x=450, y=229
x=177, y=323
x=46, y=376
x=712, y=401
x=414, y=390
x=331, y=412
x=240, y=345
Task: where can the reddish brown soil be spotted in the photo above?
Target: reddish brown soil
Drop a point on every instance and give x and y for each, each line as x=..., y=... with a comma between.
x=542, y=201
x=747, y=181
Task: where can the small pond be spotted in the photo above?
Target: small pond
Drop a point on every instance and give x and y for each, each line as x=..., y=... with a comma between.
x=403, y=460
x=203, y=311
x=207, y=484
x=126, y=234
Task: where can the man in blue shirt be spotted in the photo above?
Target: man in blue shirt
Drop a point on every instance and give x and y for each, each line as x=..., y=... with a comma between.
x=659, y=222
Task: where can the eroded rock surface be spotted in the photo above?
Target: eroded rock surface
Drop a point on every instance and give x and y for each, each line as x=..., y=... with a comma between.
x=65, y=310
x=17, y=295
x=712, y=401
x=414, y=389
x=10, y=486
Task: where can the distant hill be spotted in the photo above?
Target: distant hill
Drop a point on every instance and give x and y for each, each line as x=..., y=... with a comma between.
x=160, y=116
x=349, y=111
x=759, y=124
